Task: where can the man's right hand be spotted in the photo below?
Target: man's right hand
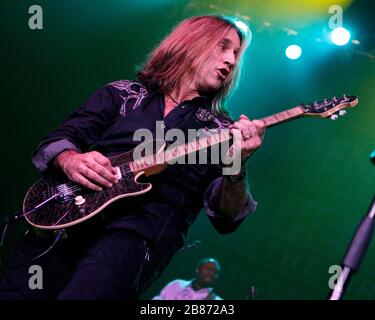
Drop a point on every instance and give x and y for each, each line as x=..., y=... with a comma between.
x=91, y=169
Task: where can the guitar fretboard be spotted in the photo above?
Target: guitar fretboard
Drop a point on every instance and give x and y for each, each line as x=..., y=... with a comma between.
x=172, y=154
x=283, y=116
x=195, y=146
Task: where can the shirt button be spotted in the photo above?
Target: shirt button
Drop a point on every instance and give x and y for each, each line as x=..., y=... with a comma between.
x=183, y=107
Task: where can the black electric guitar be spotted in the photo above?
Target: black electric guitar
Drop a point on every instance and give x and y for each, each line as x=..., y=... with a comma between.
x=54, y=202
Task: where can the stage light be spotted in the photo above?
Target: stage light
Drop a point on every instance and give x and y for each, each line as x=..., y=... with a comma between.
x=293, y=51
x=340, y=36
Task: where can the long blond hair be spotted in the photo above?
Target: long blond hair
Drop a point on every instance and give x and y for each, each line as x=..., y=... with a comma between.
x=186, y=49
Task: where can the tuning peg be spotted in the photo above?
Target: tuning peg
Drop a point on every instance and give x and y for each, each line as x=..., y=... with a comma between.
x=334, y=117
x=342, y=112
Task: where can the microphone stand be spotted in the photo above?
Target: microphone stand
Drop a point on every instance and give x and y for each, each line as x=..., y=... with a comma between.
x=355, y=252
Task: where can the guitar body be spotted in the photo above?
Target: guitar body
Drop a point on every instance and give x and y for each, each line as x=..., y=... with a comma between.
x=65, y=210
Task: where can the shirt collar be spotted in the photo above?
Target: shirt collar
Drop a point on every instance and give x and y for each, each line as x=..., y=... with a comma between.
x=201, y=101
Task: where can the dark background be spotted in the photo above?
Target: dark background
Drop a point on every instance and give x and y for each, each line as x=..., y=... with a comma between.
x=312, y=178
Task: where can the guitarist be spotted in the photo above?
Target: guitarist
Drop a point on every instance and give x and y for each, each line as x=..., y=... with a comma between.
x=184, y=84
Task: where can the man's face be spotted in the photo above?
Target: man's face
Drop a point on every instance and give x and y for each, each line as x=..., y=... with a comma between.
x=220, y=63
x=207, y=273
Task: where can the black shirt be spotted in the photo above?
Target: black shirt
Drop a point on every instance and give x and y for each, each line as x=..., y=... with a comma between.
x=106, y=122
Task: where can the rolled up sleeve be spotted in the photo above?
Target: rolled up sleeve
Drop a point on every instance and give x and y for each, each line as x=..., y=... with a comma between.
x=43, y=156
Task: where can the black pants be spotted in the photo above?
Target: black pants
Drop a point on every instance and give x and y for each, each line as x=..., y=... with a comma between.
x=116, y=264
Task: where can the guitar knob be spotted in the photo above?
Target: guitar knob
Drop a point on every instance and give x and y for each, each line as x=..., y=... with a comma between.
x=79, y=200
x=342, y=112
x=334, y=117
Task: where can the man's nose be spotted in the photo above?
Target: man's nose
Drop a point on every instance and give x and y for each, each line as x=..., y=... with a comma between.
x=230, y=59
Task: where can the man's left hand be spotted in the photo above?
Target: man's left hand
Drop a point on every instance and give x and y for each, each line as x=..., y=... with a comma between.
x=252, y=135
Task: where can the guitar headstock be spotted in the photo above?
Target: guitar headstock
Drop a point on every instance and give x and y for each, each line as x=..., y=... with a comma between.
x=332, y=108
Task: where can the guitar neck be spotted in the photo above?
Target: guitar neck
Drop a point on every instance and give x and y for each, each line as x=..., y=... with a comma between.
x=203, y=143
x=174, y=153
x=283, y=116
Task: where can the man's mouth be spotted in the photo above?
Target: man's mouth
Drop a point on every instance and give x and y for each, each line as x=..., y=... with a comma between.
x=223, y=73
